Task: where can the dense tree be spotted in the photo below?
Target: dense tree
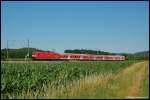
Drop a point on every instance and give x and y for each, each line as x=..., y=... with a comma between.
x=85, y=51
x=16, y=53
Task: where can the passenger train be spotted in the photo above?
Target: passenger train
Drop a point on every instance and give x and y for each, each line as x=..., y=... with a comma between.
x=48, y=55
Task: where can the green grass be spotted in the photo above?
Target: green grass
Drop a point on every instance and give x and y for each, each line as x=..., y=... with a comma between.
x=17, y=78
x=145, y=85
x=117, y=86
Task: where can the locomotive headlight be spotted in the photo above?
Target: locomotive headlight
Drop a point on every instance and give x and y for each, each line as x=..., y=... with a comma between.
x=33, y=55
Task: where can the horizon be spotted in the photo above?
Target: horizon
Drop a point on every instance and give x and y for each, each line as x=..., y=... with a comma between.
x=118, y=26
x=78, y=49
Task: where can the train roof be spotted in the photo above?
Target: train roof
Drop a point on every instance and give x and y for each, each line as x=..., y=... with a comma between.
x=89, y=54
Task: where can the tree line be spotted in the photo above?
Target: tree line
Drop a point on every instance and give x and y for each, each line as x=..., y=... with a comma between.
x=22, y=52
x=16, y=53
x=85, y=51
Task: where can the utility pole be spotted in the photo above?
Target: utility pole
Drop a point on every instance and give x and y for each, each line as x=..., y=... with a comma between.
x=27, y=56
x=28, y=50
x=28, y=47
x=7, y=49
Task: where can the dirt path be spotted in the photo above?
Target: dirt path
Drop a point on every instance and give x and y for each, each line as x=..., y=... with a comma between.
x=126, y=84
x=131, y=79
x=135, y=88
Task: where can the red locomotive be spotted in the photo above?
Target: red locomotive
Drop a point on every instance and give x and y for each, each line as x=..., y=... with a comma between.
x=47, y=55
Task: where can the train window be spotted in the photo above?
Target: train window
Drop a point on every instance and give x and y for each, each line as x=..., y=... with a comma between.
x=65, y=56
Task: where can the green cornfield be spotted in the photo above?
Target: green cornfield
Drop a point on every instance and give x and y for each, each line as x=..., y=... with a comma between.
x=19, y=77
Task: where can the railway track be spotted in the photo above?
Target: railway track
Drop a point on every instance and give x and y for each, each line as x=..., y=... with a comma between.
x=32, y=61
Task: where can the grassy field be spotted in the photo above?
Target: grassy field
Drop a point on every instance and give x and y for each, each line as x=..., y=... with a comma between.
x=145, y=85
x=60, y=80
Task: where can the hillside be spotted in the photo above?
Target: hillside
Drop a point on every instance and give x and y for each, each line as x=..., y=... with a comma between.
x=143, y=53
x=138, y=55
x=16, y=53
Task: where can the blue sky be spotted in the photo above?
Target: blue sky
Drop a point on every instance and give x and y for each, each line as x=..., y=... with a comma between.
x=108, y=26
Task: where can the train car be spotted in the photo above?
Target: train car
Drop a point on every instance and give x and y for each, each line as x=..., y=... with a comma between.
x=47, y=55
